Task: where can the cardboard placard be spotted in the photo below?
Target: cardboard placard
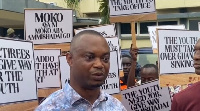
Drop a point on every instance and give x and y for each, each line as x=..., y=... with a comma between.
x=105, y=30
x=147, y=97
x=44, y=26
x=64, y=47
x=178, y=79
x=17, y=71
x=27, y=106
x=47, y=68
x=111, y=85
x=176, y=50
x=153, y=34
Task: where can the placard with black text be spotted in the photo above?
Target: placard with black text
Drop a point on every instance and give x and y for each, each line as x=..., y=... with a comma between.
x=47, y=68
x=176, y=50
x=48, y=26
x=17, y=71
x=147, y=97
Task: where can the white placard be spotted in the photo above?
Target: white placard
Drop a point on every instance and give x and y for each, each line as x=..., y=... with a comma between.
x=176, y=50
x=105, y=31
x=48, y=26
x=17, y=71
x=113, y=43
x=147, y=97
x=64, y=70
x=47, y=68
x=131, y=7
x=153, y=36
x=112, y=82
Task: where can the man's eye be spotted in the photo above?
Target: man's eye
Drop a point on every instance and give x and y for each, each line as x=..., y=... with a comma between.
x=89, y=57
x=129, y=64
x=106, y=59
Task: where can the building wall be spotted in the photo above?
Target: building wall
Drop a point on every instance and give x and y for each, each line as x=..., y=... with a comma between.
x=60, y=3
x=89, y=6
x=125, y=44
x=165, y=4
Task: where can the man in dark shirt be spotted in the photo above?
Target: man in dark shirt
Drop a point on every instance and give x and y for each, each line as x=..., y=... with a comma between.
x=189, y=99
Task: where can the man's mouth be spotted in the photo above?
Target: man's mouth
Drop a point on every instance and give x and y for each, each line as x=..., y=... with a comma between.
x=98, y=75
x=197, y=65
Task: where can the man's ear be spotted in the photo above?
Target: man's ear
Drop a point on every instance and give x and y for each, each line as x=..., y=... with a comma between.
x=69, y=58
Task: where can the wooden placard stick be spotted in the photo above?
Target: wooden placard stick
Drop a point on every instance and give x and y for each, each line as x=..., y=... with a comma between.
x=133, y=34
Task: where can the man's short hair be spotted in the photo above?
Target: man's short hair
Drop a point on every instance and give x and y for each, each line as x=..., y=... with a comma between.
x=151, y=66
x=85, y=32
x=91, y=32
x=126, y=55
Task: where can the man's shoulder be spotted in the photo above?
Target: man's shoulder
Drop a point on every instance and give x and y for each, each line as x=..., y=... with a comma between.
x=114, y=102
x=188, y=92
x=55, y=98
x=187, y=99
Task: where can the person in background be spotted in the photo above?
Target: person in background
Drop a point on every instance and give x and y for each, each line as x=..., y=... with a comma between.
x=149, y=72
x=188, y=99
x=131, y=69
x=89, y=61
x=11, y=33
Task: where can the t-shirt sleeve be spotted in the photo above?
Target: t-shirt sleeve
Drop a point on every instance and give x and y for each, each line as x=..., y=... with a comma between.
x=174, y=106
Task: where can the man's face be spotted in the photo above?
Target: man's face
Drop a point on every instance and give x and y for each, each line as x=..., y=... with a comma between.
x=197, y=57
x=148, y=74
x=126, y=62
x=90, y=62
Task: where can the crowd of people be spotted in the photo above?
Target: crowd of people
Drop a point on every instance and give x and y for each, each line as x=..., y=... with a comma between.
x=89, y=61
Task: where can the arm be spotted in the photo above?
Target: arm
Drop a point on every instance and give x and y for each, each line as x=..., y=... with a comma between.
x=131, y=75
x=174, y=105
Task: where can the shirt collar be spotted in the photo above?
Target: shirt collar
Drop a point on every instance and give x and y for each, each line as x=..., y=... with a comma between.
x=73, y=96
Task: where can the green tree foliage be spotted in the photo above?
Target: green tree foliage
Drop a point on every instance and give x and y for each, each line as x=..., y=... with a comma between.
x=104, y=11
x=74, y=4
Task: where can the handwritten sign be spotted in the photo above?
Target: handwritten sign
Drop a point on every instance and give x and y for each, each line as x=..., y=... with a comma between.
x=17, y=72
x=153, y=36
x=176, y=50
x=147, y=97
x=111, y=84
x=105, y=31
x=131, y=7
x=47, y=68
x=48, y=26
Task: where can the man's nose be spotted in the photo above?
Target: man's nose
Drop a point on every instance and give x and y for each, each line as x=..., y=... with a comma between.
x=197, y=55
x=125, y=66
x=98, y=63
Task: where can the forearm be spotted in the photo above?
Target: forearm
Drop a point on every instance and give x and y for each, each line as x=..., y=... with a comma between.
x=131, y=75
